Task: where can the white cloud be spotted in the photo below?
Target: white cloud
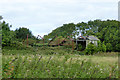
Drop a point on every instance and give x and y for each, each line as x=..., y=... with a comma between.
x=42, y=16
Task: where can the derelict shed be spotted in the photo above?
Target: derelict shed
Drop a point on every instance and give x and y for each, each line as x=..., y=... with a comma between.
x=85, y=40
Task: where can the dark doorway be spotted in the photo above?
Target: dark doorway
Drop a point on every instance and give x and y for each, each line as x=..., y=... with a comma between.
x=81, y=45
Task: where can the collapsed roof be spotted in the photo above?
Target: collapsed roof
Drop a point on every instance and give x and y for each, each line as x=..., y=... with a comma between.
x=87, y=38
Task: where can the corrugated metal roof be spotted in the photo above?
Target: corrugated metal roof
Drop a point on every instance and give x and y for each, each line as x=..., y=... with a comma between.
x=87, y=38
x=92, y=38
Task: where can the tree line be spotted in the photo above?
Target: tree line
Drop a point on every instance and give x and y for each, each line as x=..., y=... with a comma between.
x=107, y=31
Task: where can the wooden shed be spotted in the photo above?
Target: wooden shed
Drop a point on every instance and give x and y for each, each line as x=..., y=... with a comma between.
x=85, y=40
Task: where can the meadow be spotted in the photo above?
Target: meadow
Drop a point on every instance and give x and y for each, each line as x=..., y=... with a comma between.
x=0, y=66
x=51, y=62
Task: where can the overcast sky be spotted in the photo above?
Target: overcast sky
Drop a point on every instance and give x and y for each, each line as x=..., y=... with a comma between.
x=42, y=16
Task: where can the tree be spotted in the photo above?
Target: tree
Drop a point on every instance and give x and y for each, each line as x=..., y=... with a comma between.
x=0, y=31
x=7, y=35
x=21, y=33
x=1, y=17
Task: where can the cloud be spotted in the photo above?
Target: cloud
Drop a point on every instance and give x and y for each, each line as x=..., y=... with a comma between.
x=42, y=16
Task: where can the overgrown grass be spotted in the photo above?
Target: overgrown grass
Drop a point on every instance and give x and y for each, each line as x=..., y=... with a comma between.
x=0, y=65
x=58, y=63
x=38, y=50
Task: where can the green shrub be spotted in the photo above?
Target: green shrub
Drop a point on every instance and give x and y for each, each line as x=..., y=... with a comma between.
x=69, y=45
x=117, y=47
x=91, y=49
x=80, y=47
x=101, y=47
x=18, y=45
x=108, y=47
x=30, y=41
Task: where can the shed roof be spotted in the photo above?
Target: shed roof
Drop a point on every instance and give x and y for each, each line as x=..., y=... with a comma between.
x=92, y=38
x=84, y=38
x=56, y=41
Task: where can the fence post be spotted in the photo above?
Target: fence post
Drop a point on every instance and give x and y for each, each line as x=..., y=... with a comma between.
x=72, y=45
x=23, y=42
x=27, y=40
x=58, y=42
x=43, y=43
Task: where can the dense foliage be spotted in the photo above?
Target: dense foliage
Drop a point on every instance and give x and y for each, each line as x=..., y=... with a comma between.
x=7, y=35
x=0, y=31
x=22, y=33
x=91, y=49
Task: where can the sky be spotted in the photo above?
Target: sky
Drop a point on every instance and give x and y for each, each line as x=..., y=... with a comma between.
x=119, y=11
x=43, y=16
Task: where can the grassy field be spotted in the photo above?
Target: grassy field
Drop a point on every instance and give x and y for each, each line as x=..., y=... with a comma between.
x=0, y=66
x=58, y=63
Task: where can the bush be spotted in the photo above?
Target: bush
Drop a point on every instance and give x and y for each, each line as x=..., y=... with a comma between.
x=69, y=46
x=117, y=47
x=80, y=47
x=30, y=42
x=101, y=47
x=18, y=45
x=91, y=49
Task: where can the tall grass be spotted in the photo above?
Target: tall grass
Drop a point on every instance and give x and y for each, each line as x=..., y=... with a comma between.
x=57, y=62
x=0, y=66
x=56, y=66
